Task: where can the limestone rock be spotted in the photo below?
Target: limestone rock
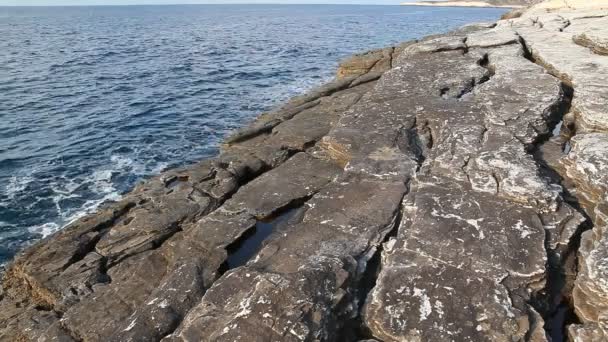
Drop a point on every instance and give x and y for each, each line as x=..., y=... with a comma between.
x=586, y=333
x=587, y=165
x=548, y=37
x=299, y=177
x=491, y=38
x=591, y=33
x=372, y=61
x=424, y=299
x=570, y=44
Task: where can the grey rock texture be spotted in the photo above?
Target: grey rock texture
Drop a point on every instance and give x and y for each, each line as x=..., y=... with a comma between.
x=552, y=40
x=474, y=3
x=571, y=43
x=434, y=191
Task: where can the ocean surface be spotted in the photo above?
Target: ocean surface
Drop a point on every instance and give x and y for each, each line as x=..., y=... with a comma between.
x=94, y=99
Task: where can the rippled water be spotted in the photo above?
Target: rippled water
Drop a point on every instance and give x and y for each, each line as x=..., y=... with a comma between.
x=93, y=99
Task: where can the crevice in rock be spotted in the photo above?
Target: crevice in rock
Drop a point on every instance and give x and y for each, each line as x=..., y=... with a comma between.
x=354, y=329
x=393, y=57
x=567, y=147
x=557, y=123
x=468, y=87
x=466, y=47
x=104, y=277
x=553, y=116
x=265, y=127
x=446, y=49
x=366, y=78
x=554, y=301
x=102, y=228
x=483, y=62
x=473, y=82
x=497, y=181
x=416, y=140
x=566, y=22
x=463, y=48
x=308, y=146
x=173, y=229
x=589, y=17
x=532, y=319
x=527, y=53
x=250, y=242
x=373, y=65
x=537, y=23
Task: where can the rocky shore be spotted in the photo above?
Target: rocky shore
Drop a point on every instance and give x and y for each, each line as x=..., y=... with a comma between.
x=447, y=189
x=467, y=3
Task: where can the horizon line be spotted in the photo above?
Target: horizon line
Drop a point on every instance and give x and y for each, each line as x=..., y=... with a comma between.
x=199, y=4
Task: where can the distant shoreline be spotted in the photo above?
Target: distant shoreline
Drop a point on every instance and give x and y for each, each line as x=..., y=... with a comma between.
x=478, y=4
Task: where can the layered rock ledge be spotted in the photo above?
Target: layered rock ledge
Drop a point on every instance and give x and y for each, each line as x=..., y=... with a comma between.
x=447, y=189
x=472, y=3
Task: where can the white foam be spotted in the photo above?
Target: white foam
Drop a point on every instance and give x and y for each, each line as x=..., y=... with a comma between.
x=126, y=164
x=16, y=184
x=45, y=229
x=100, y=182
x=68, y=217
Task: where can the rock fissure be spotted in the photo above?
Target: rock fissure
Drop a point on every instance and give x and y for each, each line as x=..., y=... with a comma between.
x=103, y=228
x=554, y=302
x=251, y=241
x=527, y=53
x=173, y=229
x=565, y=25
x=354, y=327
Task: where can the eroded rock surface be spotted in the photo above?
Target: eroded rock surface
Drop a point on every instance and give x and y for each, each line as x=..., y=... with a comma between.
x=435, y=191
x=473, y=216
x=570, y=43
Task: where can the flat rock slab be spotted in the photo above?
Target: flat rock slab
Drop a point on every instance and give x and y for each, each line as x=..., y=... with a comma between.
x=255, y=306
x=587, y=165
x=551, y=39
x=299, y=177
x=446, y=218
x=424, y=299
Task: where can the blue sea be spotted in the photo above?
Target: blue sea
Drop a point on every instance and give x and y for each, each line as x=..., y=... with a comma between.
x=95, y=99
